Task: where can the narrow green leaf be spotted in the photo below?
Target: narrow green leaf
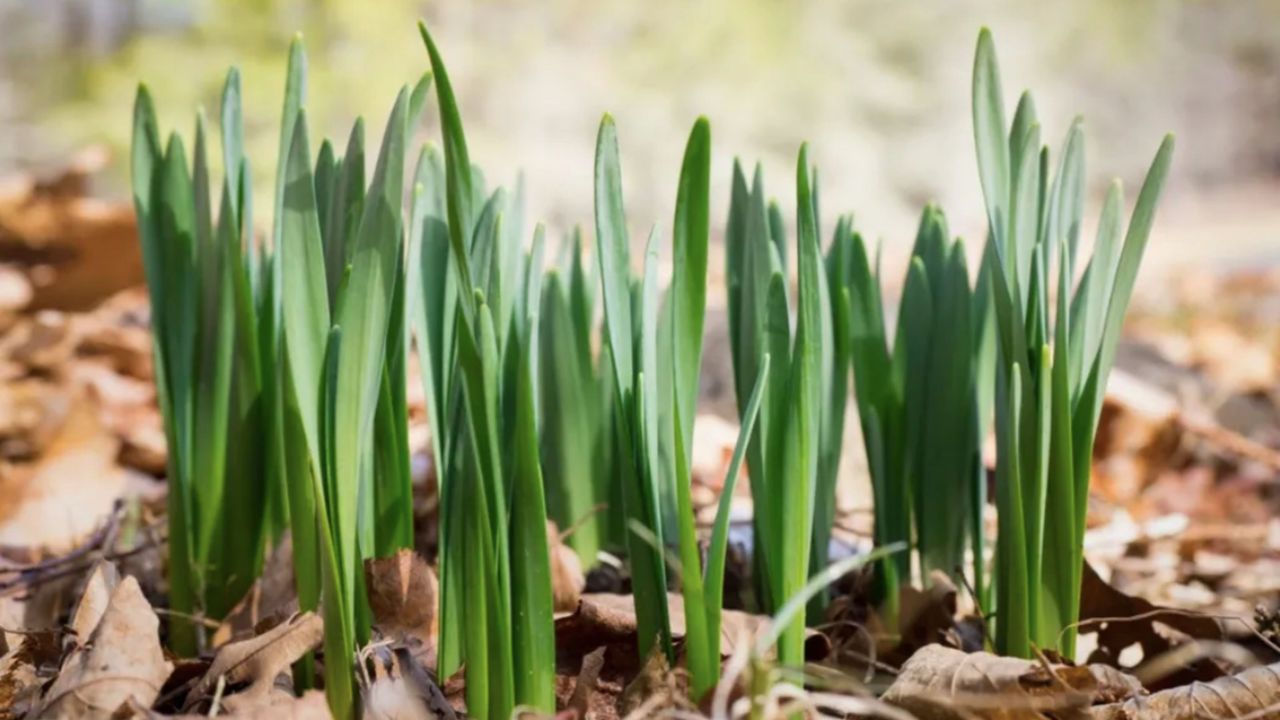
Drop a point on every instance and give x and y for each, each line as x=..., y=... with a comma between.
x=689, y=281
x=304, y=302
x=460, y=193
x=716, y=551
x=295, y=90
x=532, y=625
x=988, y=134
x=613, y=255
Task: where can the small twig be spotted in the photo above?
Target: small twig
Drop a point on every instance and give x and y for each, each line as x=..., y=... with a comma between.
x=977, y=607
x=193, y=619
x=577, y=524
x=873, y=663
x=95, y=542
x=1229, y=440
x=60, y=571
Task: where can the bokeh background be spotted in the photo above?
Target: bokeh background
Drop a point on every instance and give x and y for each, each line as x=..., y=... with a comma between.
x=879, y=88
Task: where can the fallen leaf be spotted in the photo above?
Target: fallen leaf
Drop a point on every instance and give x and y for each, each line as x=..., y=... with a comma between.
x=85, y=248
x=657, y=688
x=1253, y=693
x=54, y=503
x=1122, y=620
x=567, y=578
x=277, y=706
x=609, y=619
x=584, y=688
x=926, y=617
x=101, y=583
x=941, y=683
x=123, y=661
x=271, y=599
x=402, y=596
x=259, y=660
x=21, y=672
x=15, y=290
x=32, y=411
x=44, y=342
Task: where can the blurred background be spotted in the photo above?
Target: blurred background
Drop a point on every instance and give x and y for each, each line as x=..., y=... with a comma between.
x=879, y=88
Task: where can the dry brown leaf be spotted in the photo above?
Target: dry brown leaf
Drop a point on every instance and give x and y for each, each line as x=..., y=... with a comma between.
x=584, y=687
x=15, y=290
x=1254, y=693
x=271, y=599
x=1106, y=611
x=655, y=689
x=259, y=660
x=20, y=672
x=95, y=599
x=85, y=249
x=925, y=617
x=117, y=332
x=610, y=619
x=37, y=611
x=277, y=706
x=941, y=683
x=123, y=661
x=44, y=342
x=567, y=578
x=32, y=410
x=54, y=503
x=402, y=596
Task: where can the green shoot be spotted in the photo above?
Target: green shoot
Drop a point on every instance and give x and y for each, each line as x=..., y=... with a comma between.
x=633, y=356
x=795, y=434
x=475, y=308
x=208, y=365
x=574, y=423
x=794, y=454
x=1053, y=361
x=920, y=428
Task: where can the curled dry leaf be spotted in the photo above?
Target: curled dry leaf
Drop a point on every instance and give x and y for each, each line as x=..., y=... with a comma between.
x=271, y=600
x=924, y=617
x=1254, y=693
x=122, y=662
x=567, y=578
x=402, y=595
x=941, y=683
x=258, y=661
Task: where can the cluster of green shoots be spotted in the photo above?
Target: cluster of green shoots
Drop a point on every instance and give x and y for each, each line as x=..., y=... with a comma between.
x=281, y=371
x=1053, y=359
